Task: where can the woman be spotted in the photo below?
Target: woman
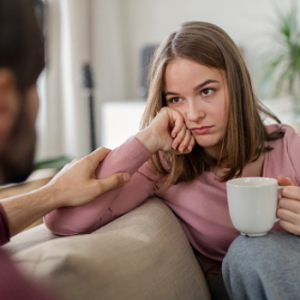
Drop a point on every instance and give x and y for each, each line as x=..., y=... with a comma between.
x=202, y=126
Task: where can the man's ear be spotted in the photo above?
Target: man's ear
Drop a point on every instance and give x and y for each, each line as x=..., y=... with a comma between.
x=9, y=104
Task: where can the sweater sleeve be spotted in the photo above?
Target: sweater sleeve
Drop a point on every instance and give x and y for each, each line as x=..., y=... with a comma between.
x=4, y=231
x=130, y=157
x=292, y=145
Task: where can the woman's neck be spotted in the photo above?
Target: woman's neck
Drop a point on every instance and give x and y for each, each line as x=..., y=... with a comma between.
x=252, y=169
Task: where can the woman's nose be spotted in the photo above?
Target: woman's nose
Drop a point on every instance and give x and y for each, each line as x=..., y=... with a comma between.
x=194, y=111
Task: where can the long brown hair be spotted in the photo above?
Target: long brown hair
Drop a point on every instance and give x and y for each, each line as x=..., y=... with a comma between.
x=209, y=45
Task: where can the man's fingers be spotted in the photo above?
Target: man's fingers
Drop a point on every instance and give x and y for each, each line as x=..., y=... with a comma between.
x=98, y=155
x=75, y=160
x=113, y=182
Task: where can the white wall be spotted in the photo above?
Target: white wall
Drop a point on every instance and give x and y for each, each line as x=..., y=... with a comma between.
x=149, y=21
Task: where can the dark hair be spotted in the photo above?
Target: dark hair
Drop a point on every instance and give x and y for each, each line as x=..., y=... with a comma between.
x=21, y=42
x=245, y=136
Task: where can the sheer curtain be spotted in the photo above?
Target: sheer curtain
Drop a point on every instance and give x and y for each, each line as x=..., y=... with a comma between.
x=78, y=32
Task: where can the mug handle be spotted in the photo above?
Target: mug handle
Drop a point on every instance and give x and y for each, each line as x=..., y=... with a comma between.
x=278, y=188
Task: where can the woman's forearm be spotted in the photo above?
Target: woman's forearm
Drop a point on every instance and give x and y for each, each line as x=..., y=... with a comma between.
x=129, y=157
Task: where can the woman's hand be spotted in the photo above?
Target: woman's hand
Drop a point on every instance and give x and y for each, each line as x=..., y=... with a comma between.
x=289, y=206
x=167, y=132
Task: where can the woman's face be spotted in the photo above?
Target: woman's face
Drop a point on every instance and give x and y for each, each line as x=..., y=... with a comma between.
x=200, y=95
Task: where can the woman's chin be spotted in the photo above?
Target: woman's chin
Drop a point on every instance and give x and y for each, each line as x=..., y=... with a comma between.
x=212, y=146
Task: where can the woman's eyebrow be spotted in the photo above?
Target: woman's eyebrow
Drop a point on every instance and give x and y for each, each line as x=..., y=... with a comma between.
x=170, y=94
x=201, y=85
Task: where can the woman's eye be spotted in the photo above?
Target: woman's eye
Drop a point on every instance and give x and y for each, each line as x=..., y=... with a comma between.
x=206, y=92
x=175, y=100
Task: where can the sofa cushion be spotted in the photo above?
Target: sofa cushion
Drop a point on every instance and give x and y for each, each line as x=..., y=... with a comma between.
x=34, y=236
x=141, y=255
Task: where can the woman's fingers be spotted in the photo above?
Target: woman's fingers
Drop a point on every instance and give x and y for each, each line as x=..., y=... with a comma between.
x=187, y=144
x=177, y=126
x=183, y=139
x=176, y=121
x=292, y=192
x=174, y=136
x=183, y=147
x=290, y=204
x=284, y=181
x=179, y=137
x=290, y=227
x=289, y=216
x=192, y=143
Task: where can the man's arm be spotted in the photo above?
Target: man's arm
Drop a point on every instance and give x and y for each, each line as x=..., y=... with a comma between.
x=74, y=185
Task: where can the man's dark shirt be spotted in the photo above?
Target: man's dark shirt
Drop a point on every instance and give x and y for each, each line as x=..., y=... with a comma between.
x=13, y=284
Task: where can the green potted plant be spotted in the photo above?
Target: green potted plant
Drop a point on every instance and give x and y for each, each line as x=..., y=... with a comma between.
x=281, y=66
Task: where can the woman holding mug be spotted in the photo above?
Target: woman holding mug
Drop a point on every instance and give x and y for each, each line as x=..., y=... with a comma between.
x=202, y=126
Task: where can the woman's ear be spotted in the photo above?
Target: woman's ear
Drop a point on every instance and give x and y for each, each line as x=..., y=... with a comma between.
x=9, y=104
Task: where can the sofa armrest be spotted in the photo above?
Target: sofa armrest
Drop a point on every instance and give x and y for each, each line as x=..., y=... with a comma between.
x=141, y=255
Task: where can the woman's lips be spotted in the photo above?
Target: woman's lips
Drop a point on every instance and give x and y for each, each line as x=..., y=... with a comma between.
x=201, y=130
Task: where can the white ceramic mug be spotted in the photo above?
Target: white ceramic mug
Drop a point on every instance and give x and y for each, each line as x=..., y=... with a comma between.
x=252, y=204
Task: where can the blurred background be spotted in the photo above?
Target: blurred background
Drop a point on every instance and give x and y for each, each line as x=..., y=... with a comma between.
x=93, y=90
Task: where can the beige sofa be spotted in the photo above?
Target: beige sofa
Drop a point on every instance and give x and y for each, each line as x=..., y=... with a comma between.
x=141, y=255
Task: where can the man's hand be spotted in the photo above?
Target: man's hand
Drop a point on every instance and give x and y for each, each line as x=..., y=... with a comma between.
x=76, y=183
x=289, y=206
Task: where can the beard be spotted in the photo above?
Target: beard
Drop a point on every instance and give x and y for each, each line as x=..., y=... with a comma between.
x=17, y=155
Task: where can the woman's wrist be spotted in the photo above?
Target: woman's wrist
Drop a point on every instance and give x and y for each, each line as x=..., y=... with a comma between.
x=148, y=139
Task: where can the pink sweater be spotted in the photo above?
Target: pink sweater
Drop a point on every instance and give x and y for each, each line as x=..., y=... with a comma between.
x=201, y=206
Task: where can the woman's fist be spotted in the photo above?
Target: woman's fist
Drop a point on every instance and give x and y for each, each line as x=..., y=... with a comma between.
x=167, y=132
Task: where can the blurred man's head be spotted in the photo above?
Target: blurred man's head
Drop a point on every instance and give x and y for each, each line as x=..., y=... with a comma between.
x=21, y=61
